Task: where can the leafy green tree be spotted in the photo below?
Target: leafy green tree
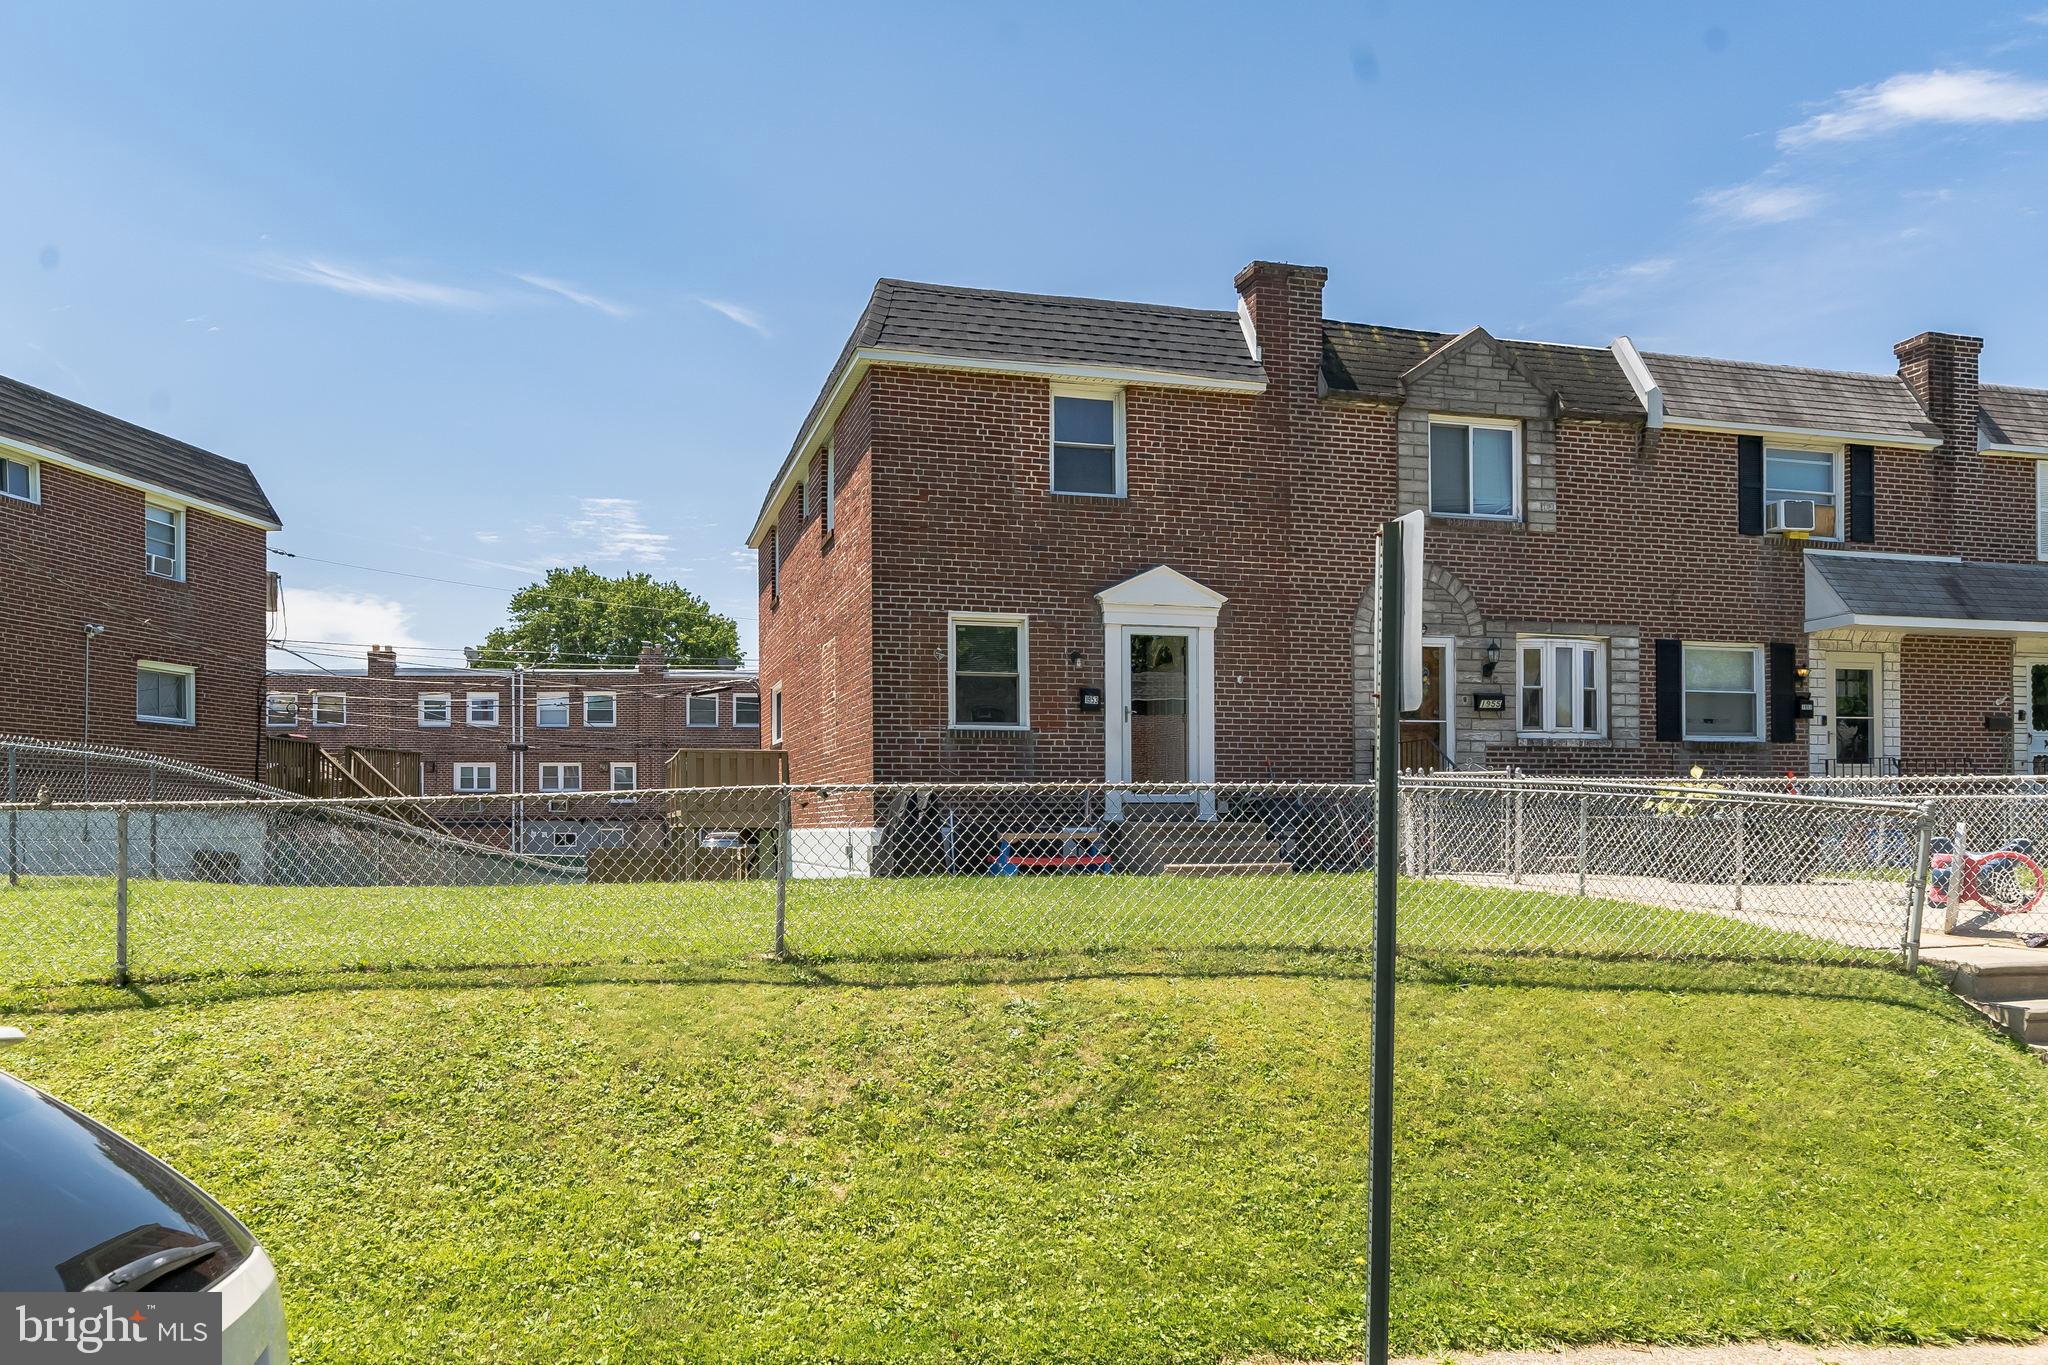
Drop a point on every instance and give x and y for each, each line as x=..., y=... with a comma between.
x=578, y=616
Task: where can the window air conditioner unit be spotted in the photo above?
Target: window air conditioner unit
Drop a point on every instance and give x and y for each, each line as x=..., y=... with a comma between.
x=163, y=566
x=1793, y=517
x=558, y=807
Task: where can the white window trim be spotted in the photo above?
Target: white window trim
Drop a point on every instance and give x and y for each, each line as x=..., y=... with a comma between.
x=956, y=619
x=689, y=702
x=469, y=702
x=739, y=724
x=329, y=724
x=191, y=677
x=490, y=770
x=1837, y=456
x=830, y=509
x=1510, y=425
x=291, y=697
x=178, y=520
x=448, y=705
x=35, y=478
x=775, y=715
x=2041, y=509
x=1116, y=398
x=1548, y=644
x=1685, y=690
x=590, y=724
x=560, y=769
x=541, y=699
x=632, y=784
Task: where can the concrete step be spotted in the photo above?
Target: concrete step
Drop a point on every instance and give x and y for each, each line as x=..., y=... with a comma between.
x=1996, y=973
x=2026, y=1020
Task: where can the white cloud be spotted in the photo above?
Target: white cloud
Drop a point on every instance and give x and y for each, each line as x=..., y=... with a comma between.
x=486, y=537
x=366, y=284
x=736, y=312
x=613, y=529
x=575, y=295
x=1761, y=202
x=1955, y=97
x=1623, y=281
x=352, y=618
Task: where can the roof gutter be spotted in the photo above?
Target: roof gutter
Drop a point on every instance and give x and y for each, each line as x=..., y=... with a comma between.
x=861, y=360
x=1641, y=380
x=1896, y=440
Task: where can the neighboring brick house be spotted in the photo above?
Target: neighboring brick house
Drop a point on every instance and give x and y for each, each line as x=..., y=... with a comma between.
x=1027, y=537
x=544, y=731
x=153, y=550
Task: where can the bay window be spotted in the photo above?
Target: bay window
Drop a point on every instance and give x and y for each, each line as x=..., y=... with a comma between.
x=1563, y=687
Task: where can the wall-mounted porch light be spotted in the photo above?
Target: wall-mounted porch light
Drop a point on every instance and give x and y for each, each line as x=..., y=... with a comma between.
x=1492, y=659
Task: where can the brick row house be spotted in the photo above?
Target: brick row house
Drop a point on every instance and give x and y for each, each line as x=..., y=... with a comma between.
x=554, y=733
x=139, y=561
x=1023, y=537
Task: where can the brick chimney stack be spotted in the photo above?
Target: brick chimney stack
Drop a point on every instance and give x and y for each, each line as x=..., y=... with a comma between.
x=383, y=661
x=1941, y=370
x=653, y=661
x=1284, y=304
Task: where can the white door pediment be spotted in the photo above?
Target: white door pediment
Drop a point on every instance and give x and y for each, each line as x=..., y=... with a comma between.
x=1160, y=594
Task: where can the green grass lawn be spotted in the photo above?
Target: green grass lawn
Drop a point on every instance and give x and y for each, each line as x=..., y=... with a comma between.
x=1124, y=1158
x=57, y=930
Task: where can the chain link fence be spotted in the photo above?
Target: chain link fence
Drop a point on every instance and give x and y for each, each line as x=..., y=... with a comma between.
x=1492, y=865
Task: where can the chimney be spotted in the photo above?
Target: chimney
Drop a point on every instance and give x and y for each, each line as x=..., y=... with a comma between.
x=383, y=661
x=1282, y=307
x=1941, y=370
x=653, y=661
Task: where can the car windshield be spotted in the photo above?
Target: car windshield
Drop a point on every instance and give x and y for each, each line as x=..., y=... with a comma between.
x=77, y=1201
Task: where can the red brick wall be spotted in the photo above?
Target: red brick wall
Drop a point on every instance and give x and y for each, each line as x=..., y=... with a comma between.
x=77, y=556
x=1947, y=686
x=383, y=712
x=816, y=635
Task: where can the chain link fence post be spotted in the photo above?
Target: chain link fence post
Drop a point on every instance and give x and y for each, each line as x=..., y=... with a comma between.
x=1741, y=850
x=782, y=861
x=120, y=894
x=1916, y=895
x=1515, y=830
x=1956, y=868
x=13, y=818
x=1585, y=845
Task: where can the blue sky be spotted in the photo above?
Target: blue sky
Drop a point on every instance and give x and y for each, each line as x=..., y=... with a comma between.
x=479, y=289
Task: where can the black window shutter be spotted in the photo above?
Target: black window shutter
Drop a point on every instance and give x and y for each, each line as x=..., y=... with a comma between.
x=1671, y=690
x=1749, y=484
x=1782, y=687
x=1862, y=494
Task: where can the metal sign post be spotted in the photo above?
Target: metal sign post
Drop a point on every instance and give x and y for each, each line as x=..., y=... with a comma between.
x=1400, y=688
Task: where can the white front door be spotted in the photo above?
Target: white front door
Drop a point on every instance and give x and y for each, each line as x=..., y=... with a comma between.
x=1856, y=737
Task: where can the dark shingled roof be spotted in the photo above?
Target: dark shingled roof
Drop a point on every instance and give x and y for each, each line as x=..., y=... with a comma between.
x=1364, y=361
x=1884, y=585
x=1740, y=393
x=58, y=425
x=2014, y=417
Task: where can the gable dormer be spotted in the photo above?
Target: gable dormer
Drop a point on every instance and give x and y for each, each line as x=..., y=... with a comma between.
x=1477, y=432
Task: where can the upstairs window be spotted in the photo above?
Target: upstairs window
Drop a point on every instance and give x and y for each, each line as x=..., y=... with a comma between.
x=746, y=710
x=988, y=672
x=281, y=708
x=1814, y=475
x=482, y=708
x=163, y=540
x=163, y=693
x=1724, y=692
x=561, y=777
x=330, y=708
x=435, y=709
x=551, y=711
x=600, y=709
x=1563, y=687
x=18, y=479
x=1088, y=443
x=1475, y=468
x=700, y=711
x=828, y=489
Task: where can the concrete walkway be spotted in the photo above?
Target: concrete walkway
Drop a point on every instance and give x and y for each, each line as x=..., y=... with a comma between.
x=1766, y=1353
